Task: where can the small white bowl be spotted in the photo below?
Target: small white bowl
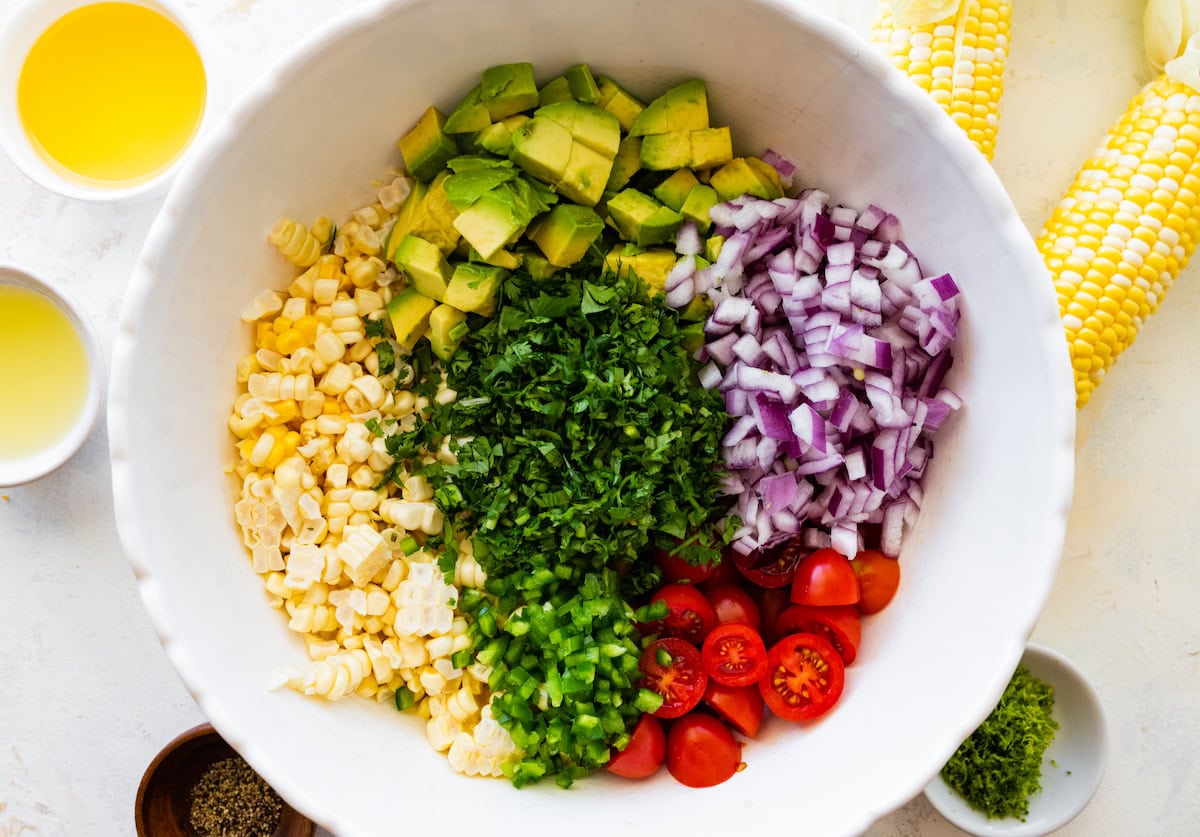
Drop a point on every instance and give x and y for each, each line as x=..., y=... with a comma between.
x=17, y=38
x=1071, y=768
x=39, y=464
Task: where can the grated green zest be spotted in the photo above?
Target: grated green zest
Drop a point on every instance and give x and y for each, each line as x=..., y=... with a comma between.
x=999, y=767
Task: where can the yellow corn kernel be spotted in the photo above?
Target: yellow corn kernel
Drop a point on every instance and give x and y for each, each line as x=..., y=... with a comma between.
x=295, y=243
x=289, y=341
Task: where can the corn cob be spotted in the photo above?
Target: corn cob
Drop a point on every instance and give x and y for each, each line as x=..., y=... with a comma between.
x=1129, y=222
x=955, y=50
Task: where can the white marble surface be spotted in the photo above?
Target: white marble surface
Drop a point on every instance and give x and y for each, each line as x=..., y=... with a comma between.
x=87, y=696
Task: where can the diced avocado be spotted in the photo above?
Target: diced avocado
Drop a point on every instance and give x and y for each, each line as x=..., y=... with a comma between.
x=490, y=223
x=409, y=312
x=542, y=147
x=588, y=124
x=566, y=232
x=447, y=328
x=404, y=219
x=651, y=266
x=583, y=85
x=664, y=152
x=628, y=210
x=471, y=115
x=426, y=148
x=674, y=190
x=474, y=287
x=587, y=172
x=501, y=258
x=711, y=147
x=507, y=89
x=555, y=90
x=738, y=177
x=698, y=309
x=424, y=265
x=698, y=204
x=660, y=227
x=712, y=247
x=497, y=137
x=627, y=163
x=682, y=108
x=537, y=266
x=619, y=102
x=434, y=218
x=768, y=173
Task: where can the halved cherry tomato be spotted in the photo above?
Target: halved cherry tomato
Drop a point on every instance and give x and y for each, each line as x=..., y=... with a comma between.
x=676, y=570
x=771, y=603
x=774, y=567
x=734, y=654
x=878, y=578
x=702, y=752
x=732, y=603
x=645, y=752
x=841, y=625
x=672, y=667
x=740, y=706
x=691, y=615
x=804, y=677
x=825, y=578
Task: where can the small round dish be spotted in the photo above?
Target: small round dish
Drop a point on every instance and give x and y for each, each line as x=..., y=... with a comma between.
x=1071, y=768
x=39, y=463
x=161, y=809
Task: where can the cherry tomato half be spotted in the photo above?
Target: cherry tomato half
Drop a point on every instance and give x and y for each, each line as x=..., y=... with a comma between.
x=691, y=615
x=732, y=603
x=824, y=578
x=740, y=706
x=734, y=654
x=771, y=603
x=774, y=567
x=645, y=752
x=676, y=570
x=702, y=752
x=878, y=579
x=804, y=677
x=841, y=625
x=672, y=668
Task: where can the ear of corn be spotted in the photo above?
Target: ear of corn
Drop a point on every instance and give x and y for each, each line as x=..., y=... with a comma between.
x=956, y=51
x=1128, y=225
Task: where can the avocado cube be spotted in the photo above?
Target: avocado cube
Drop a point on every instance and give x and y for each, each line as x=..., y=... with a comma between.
x=587, y=172
x=698, y=204
x=447, y=328
x=738, y=177
x=660, y=227
x=711, y=147
x=433, y=220
x=712, y=247
x=664, y=152
x=404, y=219
x=583, y=84
x=619, y=102
x=682, y=108
x=424, y=265
x=626, y=164
x=490, y=223
x=698, y=309
x=768, y=174
x=470, y=116
x=497, y=137
x=651, y=266
x=474, y=287
x=566, y=232
x=556, y=90
x=426, y=148
x=628, y=210
x=674, y=190
x=542, y=147
x=409, y=313
x=507, y=89
x=501, y=258
x=588, y=124
x=537, y=266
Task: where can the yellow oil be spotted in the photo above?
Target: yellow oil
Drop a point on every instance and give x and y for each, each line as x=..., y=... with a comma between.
x=43, y=373
x=112, y=93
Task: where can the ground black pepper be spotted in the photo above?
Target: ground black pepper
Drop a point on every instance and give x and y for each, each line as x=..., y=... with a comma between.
x=231, y=800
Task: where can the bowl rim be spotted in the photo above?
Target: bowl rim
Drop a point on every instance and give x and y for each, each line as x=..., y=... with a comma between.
x=1010, y=231
x=27, y=469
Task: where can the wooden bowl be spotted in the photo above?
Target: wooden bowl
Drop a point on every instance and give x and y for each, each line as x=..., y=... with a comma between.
x=163, y=802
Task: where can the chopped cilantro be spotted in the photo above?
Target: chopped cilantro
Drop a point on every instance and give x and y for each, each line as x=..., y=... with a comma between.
x=386, y=355
x=376, y=328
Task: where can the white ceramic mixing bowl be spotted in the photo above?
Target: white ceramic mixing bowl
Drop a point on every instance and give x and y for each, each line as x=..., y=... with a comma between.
x=309, y=138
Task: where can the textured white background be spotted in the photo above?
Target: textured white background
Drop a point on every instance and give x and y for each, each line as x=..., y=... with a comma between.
x=87, y=696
